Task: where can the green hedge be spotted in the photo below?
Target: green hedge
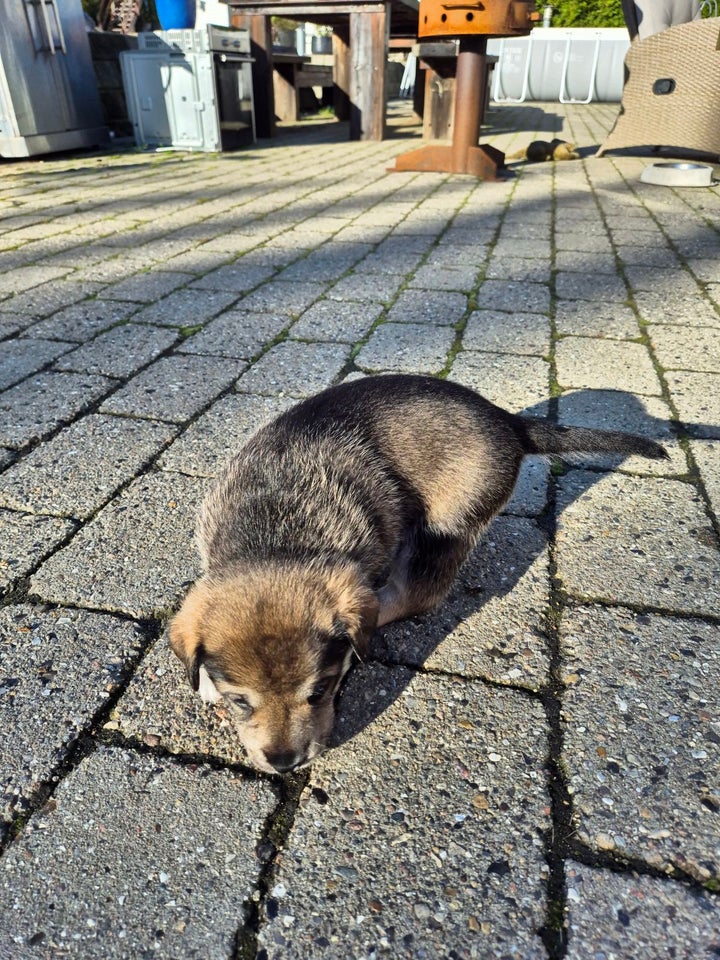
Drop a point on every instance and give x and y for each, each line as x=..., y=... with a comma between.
x=586, y=13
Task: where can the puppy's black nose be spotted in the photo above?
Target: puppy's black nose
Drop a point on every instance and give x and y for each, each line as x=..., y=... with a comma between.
x=283, y=761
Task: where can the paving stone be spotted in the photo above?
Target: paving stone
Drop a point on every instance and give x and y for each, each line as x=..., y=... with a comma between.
x=237, y=277
x=513, y=295
x=582, y=261
x=523, y=333
x=446, y=255
x=50, y=297
x=119, y=352
x=174, y=388
x=186, y=308
x=406, y=348
x=605, y=364
x=147, y=287
x=633, y=540
x=530, y=493
x=199, y=260
x=707, y=457
x=428, y=277
x=393, y=262
x=59, y=668
x=641, y=736
x=425, y=306
x=327, y=262
x=617, y=410
x=82, y=321
x=687, y=311
x=583, y=319
x=159, y=707
x=457, y=874
x=145, y=856
x=295, y=369
x=514, y=382
x=616, y=915
x=339, y=321
x=135, y=556
x=82, y=466
x=11, y=323
x=23, y=278
x=24, y=542
x=646, y=278
x=513, y=268
x=491, y=624
x=212, y=439
x=289, y=298
x=525, y=247
x=359, y=286
x=34, y=408
x=706, y=271
x=23, y=356
x=236, y=333
x=114, y=267
x=678, y=348
x=697, y=399
x=587, y=240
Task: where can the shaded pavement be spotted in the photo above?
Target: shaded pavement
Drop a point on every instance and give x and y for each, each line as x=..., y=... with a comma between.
x=532, y=771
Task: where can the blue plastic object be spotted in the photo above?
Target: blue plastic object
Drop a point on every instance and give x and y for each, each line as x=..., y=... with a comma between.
x=176, y=14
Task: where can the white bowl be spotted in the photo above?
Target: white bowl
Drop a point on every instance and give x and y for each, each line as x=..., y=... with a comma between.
x=677, y=173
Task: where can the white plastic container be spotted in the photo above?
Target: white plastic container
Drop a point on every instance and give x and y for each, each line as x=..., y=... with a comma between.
x=576, y=65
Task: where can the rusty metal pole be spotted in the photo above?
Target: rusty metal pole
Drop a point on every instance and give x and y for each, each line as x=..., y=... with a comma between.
x=469, y=95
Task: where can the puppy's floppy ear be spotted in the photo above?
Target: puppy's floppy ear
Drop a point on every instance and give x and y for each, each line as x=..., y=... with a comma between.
x=356, y=607
x=185, y=633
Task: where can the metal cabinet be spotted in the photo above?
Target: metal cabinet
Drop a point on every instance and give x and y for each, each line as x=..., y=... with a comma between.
x=48, y=91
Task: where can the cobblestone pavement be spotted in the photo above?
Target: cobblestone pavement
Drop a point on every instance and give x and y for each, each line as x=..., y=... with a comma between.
x=534, y=770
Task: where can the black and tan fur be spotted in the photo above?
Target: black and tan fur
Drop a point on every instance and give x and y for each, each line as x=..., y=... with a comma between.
x=539, y=151
x=352, y=509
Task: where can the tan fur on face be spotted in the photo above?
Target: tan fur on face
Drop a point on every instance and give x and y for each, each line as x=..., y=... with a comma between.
x=262, y=634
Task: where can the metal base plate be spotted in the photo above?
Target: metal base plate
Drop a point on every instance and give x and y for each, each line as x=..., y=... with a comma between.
x=483, y=162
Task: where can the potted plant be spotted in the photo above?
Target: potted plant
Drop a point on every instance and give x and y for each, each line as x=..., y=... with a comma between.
x=321, y=43
x=283, y=32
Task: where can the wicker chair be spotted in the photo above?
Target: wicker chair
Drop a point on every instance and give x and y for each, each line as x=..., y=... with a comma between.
x=671, y=96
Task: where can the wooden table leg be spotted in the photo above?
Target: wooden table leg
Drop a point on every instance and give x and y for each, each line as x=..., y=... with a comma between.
x=341, y=70
x=369, y=37
x=286, y=93
x=262, y=69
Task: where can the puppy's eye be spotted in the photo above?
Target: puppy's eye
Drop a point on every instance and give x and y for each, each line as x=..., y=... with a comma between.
x=241, y=704
x=319, y=693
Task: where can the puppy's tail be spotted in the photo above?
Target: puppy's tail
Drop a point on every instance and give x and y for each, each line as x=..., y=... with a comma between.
x=541, y=436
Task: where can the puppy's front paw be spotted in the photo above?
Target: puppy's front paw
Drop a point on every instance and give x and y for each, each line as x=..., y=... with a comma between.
x=207, y=689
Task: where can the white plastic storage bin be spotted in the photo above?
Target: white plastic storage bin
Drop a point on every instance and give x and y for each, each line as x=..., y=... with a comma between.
x=171, y=100
x=575, y=65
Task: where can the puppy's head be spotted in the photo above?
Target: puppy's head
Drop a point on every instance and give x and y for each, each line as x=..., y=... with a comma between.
x=275, y=644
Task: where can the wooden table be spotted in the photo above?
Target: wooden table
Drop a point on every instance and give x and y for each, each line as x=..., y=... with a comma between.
x=361, y=32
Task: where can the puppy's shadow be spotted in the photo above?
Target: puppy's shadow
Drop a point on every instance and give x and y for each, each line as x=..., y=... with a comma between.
x=491, y=625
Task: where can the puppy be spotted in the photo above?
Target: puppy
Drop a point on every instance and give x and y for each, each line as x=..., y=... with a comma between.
x=540, y=150
x=352, y=509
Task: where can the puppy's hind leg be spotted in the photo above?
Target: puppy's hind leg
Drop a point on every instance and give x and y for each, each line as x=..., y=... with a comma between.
x=422, y=575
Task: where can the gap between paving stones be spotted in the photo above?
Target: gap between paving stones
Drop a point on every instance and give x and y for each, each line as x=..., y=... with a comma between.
x=676, y=425
x=609, y=865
